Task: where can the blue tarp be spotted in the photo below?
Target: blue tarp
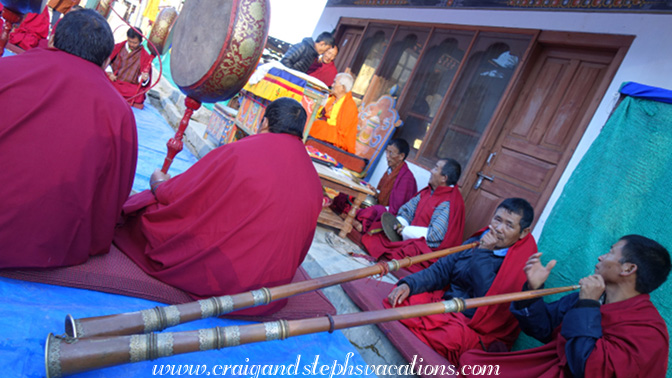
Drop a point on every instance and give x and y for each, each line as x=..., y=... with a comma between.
x=30, y=311
x=647, y=92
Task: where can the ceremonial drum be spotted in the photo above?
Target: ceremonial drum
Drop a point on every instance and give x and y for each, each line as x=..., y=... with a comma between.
x=217, y=45
x=161, y=35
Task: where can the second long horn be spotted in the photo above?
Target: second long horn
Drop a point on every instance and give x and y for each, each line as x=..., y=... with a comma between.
x=162, y=317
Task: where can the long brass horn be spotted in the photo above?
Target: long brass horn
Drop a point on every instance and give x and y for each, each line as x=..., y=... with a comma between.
x=65, y=355
x=162, y=317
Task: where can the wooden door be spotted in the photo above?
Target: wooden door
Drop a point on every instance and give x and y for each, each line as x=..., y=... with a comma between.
x=347, y=46
x=550, y=108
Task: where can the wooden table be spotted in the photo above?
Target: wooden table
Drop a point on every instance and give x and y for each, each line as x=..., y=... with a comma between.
x=339, y=181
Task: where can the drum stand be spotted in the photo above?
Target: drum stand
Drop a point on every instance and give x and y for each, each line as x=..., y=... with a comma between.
x=175, y=143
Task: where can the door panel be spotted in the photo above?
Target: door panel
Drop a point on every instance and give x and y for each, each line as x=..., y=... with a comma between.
x=347, y=47
x=539, y=134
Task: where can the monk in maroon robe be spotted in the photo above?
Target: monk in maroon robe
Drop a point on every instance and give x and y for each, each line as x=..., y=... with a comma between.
x=432, y=220
x=131, y=68
x=68, y=163
x=494, y=267
x=324, y=68
x=395, y=188
x=609, y=329
x=33, y=29
x=243, y=217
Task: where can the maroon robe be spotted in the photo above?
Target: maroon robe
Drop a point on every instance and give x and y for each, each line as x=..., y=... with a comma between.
x=241, y=218
x=378, y=245
x=326, y=73
x=128, y=67
x=33, y=29
x=634, y=343
x=403, y=190
x=454, y=333
x=68, y=151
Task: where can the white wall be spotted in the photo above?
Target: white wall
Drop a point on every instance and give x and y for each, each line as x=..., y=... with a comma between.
x=649, y=60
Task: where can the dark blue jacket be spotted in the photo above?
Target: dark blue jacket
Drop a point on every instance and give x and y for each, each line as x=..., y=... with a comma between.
x=466, y=274
x=300, y=56
x=581, y=325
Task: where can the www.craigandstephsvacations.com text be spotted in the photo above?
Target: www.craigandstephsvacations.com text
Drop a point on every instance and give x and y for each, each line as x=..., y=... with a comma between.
x=317, y=367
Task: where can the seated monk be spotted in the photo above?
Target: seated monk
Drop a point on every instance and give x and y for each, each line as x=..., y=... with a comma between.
x=62, y=192
x=495, y=267
x=324, y=68
x=241, y=218
x=33, y=29
x=338, y=122
x=395, y=188
x=131, y=68
x=432, y=220
x=609, y=328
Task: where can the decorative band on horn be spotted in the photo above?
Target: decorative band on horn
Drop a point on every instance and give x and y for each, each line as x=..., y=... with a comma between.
x=277, y=330
x=150, y=346
x=52, y=359
x=453, y=305
x=218, y=337
x=215, y=306
x=231, y=336
x=160, y=318
x=393, y=265
x=261, y=296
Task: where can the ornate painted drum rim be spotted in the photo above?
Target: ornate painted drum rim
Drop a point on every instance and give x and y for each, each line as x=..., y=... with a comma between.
x=162, y=31
x=237, y=46
x=23, y=6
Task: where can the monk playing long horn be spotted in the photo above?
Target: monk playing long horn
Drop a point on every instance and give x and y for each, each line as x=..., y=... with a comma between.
x=493, y=267
x=65, y=356
x=609, y=329
x=159, y=318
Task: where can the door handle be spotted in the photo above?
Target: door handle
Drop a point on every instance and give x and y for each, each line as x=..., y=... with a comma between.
x=482, y=176
x=492, y=155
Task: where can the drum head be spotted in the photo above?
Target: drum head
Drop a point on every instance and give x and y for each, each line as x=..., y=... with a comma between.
x=162, y=31
x=389, y=221
x=217, y=45
x=23, y=6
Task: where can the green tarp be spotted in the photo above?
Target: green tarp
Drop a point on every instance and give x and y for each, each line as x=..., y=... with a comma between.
x=620, y=187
